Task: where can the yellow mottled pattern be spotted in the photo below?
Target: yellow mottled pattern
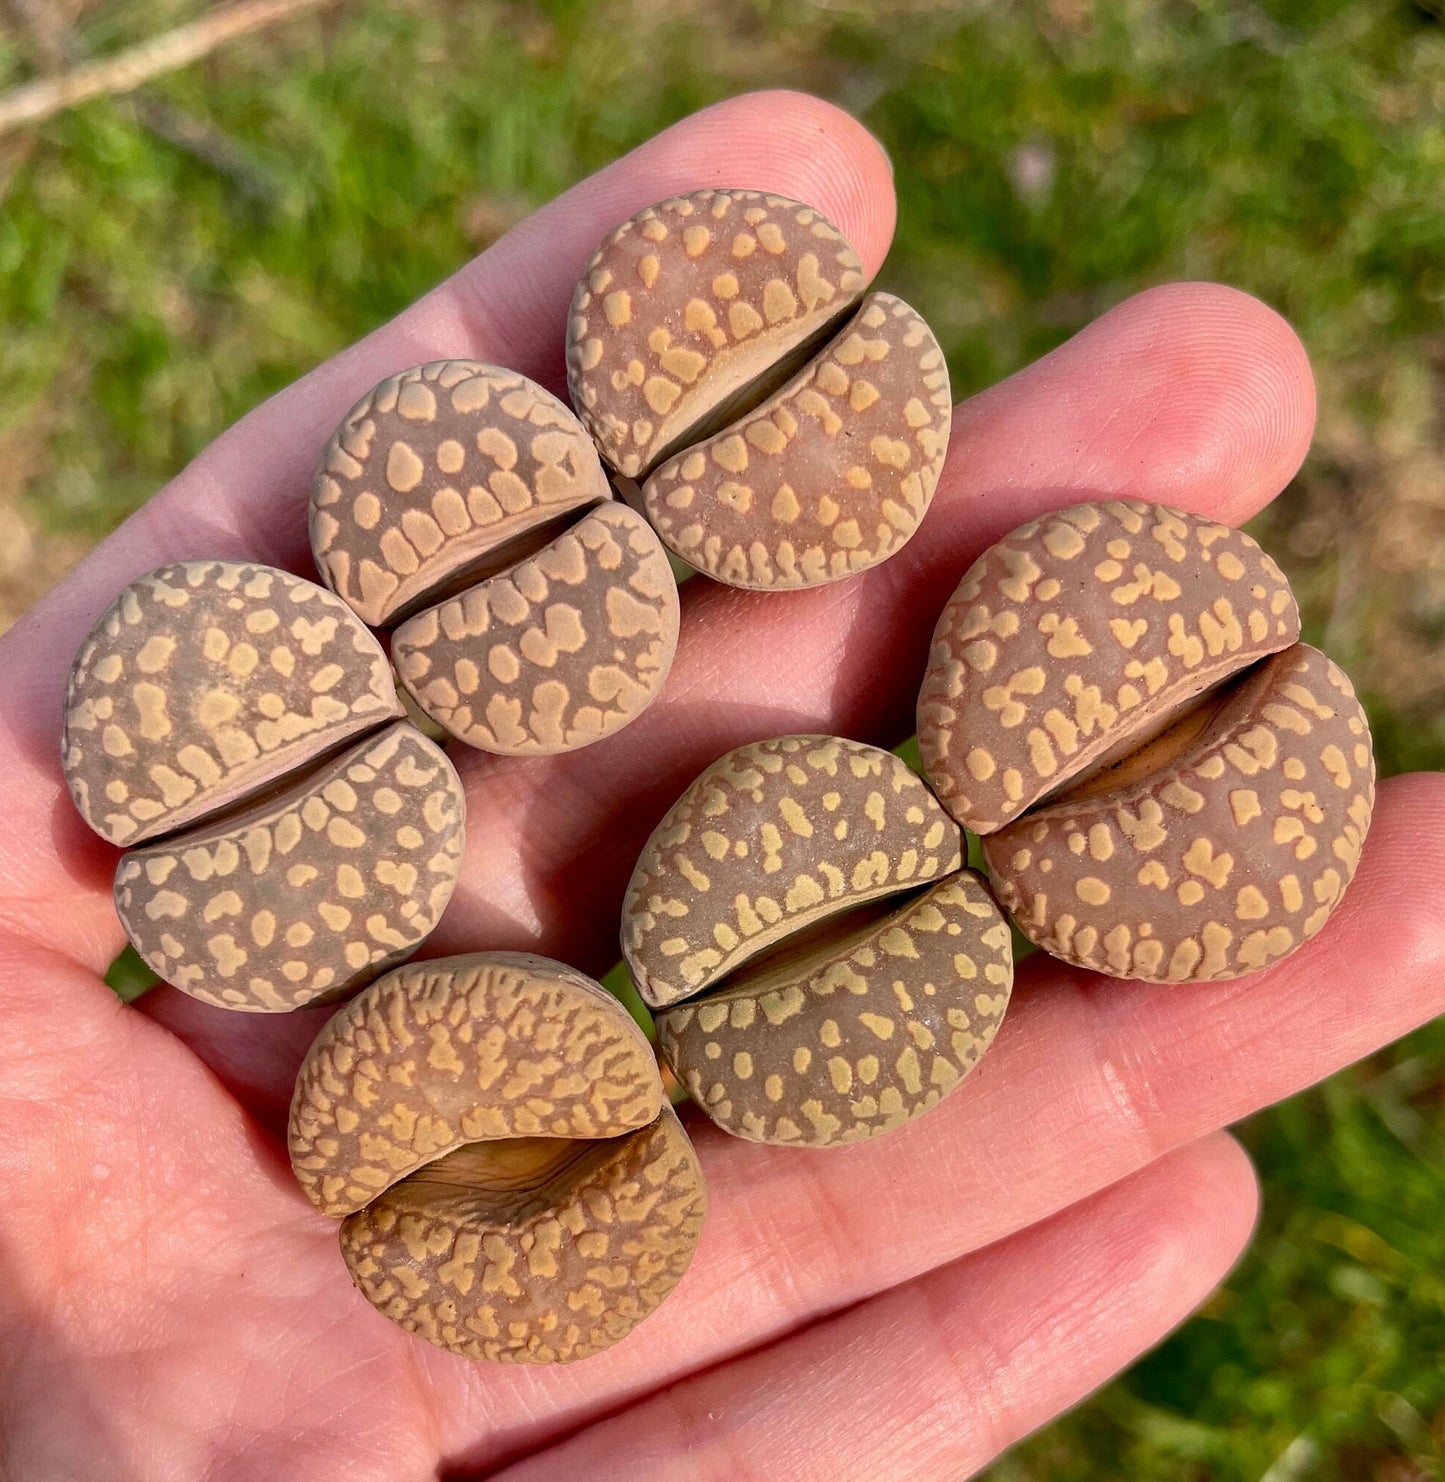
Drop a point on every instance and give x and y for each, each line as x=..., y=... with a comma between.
x=1079, y=631
x=773, y=837
x=461, y=1050
x=1219, y=865
x=830, y=475
x=832, y=1051
x=544, y=1275
x=517, y=1187
x=690, y=300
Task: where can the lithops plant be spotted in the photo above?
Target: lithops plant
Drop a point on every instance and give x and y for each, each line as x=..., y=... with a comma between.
x=1171, y=787
x=492, y=1131
x=786, y=430
x=241, y=726
x=822, y=967
x=432, y=478
x=466, y=503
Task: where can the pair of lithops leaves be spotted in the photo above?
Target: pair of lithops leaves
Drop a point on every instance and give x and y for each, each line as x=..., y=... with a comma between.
x=512, y=1181
x=289, y=834
x=464, y=504
x=1170, y=786
x=773, y=427
x=820, y=965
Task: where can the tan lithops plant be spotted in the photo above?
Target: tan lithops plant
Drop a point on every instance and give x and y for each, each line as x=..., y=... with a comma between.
x=539, y=1251
x=1081, y=634
x=694, y=359
x=1170, y=787
x=822, y=968
x=310, y=893
x=772, y=838
x=207, y=680
x=468, y=504
x=830, y=475
x=688, y=304
x=492, y=1129
x=565, y=648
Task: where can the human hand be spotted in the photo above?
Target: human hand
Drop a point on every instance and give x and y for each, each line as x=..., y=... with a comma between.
x=172, y=1307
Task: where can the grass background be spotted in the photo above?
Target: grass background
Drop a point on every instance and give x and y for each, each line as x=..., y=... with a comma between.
x=167, y=260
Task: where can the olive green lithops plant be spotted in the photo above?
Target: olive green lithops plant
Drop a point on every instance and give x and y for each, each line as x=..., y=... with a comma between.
x=821, y=966
x=467, y=504
x=786, y=430
x=492, y=1131
x=1170, y=786
x=294, y=837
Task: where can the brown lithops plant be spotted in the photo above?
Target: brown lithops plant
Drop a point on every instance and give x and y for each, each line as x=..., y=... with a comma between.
x=1170, y=787
x=1227, y=856
x=694, y=357
x=690, y=302
x=241, y=726
x=434, y=474
x=565, y=648
x=772, y=838
x=537, y=1251
x=854, y=1034
x=823, y=968
x=830, y=475
x=308, y=894
x=1082, y=633
x=206, y=680
x=492, y=1129
x=468, y=504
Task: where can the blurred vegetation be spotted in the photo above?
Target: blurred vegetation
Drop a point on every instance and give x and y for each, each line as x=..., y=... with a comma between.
x=166, y=260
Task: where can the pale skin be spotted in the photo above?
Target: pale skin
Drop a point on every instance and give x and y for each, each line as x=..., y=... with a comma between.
x=172, y=1307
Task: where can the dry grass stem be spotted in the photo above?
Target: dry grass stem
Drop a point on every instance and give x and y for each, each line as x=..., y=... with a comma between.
x=132, y=68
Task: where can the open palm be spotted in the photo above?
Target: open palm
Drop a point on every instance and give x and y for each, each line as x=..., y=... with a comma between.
x=172, y=1307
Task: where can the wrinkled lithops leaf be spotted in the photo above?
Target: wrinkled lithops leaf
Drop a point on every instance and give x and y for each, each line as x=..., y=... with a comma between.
x=541, y=1254
x=460, y=1050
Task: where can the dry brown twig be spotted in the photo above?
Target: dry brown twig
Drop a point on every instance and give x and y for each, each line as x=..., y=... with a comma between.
x=137, y=65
